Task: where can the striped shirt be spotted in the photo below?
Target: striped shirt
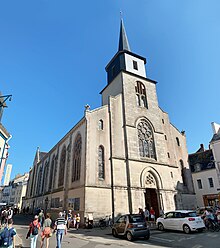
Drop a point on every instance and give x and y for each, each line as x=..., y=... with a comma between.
x=60, y=223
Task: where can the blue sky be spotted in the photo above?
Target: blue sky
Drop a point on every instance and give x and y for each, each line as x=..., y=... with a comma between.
x=53, y=56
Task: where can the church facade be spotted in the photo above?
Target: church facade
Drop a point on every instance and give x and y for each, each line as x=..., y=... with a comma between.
x=119, y=157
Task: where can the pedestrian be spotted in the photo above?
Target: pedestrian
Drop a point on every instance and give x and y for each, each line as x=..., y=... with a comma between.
x=46, y=231
x=152, y=214
x=10, y=213
x=61, y=229
x=74, y=221
x=4, y=215
x=8, y=235
x=69, y=218
x=77, y=221
x=146, y=214
x=141, y=212
x=41, y=217
x=34, y=228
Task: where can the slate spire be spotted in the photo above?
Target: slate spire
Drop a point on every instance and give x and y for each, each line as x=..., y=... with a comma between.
x=123, y=40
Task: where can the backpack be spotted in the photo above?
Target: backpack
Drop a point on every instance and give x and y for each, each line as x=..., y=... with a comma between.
x=34, y=229
x=7, y=236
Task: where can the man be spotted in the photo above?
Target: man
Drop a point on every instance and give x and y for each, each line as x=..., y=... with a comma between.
x=8, y=235
x=60, y=227
x=146, y=214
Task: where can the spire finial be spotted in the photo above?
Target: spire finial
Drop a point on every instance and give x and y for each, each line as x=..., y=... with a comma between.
x=123, y=40
x=121, y=15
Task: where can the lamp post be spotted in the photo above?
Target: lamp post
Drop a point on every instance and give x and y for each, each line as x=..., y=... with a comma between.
x=3, y=99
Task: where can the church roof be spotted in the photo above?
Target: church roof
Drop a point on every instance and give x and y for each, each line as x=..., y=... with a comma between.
x=123, y=40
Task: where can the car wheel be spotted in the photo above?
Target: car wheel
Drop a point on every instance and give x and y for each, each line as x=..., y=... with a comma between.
x=114, y=233
x=186, y=229
x=200, y=230
x=129, y=236
x=160, y=227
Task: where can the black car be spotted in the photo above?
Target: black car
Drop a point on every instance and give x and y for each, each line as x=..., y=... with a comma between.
x=131, y=226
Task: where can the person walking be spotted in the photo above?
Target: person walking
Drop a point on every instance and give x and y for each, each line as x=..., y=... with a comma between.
x=69, y=218
x=8, y=235
x=46, y=231
x=74, y=221
x=146, y=214
x=34, y=228
x=41, y=217
x=61, y=229
x=152, y=215
x=77, y=221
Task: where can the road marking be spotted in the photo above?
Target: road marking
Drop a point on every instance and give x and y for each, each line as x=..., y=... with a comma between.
x=197, y=246
x=157, y=238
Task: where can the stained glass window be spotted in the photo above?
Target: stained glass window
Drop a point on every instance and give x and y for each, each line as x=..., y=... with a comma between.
x=77, y=158
x=146, y=140
x=101, y=162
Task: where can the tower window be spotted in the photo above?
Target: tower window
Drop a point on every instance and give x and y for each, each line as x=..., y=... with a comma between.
x=135, y=65
x=100, y=124
x=165, y=137
x=101, y=162
x=163, y=121
x=177, y=141
x=168, y=155
x=141, y=97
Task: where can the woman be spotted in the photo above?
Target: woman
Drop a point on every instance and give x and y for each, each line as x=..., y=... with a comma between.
x=69, y=219
x=34, y=228
x=46, y=232
x=77, y=221
x=74, y=221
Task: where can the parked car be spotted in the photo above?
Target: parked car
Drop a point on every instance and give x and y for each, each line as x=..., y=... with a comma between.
x=182, y=220
x=131, y=226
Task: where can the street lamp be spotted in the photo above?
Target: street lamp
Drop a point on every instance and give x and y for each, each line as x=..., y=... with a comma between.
x=5, y=98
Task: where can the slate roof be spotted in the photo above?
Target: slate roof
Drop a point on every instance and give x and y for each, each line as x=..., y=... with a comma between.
x=123, y=40
x=215, y=137
x=204, y=159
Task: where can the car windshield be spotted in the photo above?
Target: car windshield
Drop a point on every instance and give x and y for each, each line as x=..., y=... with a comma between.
x=189, y=214
x=136, y=218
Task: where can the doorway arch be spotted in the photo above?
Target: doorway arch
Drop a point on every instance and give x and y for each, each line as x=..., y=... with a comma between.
x=152, y=184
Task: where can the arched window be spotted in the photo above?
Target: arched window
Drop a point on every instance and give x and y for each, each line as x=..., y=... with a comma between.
x=77, y=158
x=51, y=173
x=39, y=180
x=101, y=125
x=45, y=178
x=62, y=167
x=182, y=172
x=101, y=162
x=146, y=140
x=141, y=97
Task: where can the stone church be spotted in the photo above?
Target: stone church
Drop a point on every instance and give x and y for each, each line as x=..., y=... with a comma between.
x=121, y=156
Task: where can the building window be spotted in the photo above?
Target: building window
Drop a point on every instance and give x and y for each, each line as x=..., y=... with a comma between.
x=211, y=183
x=135, y=65
x=199, y=182
x=182, y=172
x=163, y=121
x=100, y=124
x=171, y=174
x=146, y=140
x=165, y=137
x=62, y=167
x=141, y=97
x=77, y=158
x=168, y=155
x=177, y=141
x=101, y=162
x=51, y=173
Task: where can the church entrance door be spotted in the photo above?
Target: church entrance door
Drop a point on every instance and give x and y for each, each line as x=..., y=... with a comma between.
x=151, y=200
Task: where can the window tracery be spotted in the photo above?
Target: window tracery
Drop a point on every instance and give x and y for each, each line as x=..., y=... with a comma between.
x=77, y=158
x=62, y=167
x=146, y=141
x=141, y=97
x=101, y=162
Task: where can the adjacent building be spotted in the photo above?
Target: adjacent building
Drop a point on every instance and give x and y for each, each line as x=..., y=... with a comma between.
x=121, y=156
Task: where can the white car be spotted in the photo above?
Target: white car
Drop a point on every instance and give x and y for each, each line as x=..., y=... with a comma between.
x=182, y=220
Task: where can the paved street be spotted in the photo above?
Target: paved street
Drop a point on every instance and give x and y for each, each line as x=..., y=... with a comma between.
x=96, y=238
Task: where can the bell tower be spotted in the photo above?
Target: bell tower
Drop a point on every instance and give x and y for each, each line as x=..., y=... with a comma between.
x=125, y=60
